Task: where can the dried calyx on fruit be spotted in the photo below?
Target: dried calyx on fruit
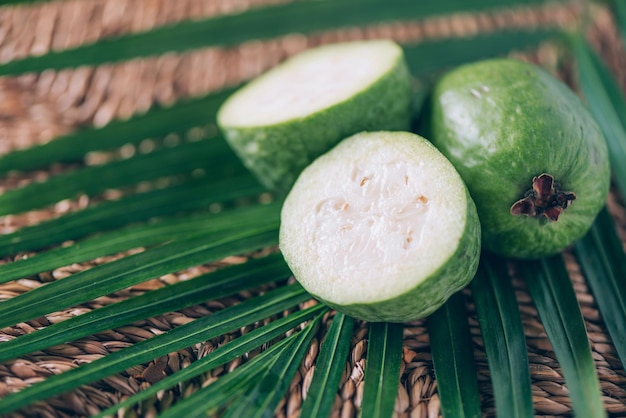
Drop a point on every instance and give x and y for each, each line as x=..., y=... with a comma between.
x=544, y=199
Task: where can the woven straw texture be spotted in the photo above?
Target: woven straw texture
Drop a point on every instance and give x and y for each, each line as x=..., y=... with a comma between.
x=36, y=108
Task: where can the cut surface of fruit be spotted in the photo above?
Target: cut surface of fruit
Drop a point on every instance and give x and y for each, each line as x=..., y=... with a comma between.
x=313, y=80
x=370, y=226
x=287, y=117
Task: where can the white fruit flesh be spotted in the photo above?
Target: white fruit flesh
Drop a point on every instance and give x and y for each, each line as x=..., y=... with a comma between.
x=373, y=218
x=310, y=81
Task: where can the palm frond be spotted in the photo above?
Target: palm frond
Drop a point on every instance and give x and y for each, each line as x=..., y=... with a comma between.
x=453, y=359
x=119, y=274
x=178, y=296
x=213, y=156
x=430, y=58
x=384, y=357
x=232, y=386
x=228, y=389
x=620, y=13
x=228, y=352
x=7, y=2
x=140, y=207
x=329, y=368
x=603, y=262
x=503, y=336
x=606, y=104
x=245, y=313
x=266, y=393
x=156, y=123
x=136, y=236
x=228, y=30
x=554, y=296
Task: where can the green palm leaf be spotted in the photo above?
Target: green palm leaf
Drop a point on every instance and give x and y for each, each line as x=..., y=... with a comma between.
x=202, y=329
x=503, y=336
x=136, y=236
x=382, y=371
x=620, y=13
x=265, y=394
x=156, y=123
x=305, y=16
x=214, y=285
x=602, y=259
x=431, y=57
x=234, y=385
x=606, y=105
x=6, y=2
x=141, y=207
x=453, y=358
x=553, y=294
x=226, y=353
x=213, y=156
x=329, y=368
x=110, y=277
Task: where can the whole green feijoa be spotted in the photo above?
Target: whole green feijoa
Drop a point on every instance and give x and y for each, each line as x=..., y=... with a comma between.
x=285, y=118
x=531, y=154
x=381, y=228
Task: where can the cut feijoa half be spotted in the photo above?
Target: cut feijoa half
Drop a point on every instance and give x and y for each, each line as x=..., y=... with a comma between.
x=381, y=228
x=531, y=154
x=284, y=119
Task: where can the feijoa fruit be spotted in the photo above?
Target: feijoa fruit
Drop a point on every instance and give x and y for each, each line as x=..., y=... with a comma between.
x=287, y=117
x=531, y=154
x=381, y=228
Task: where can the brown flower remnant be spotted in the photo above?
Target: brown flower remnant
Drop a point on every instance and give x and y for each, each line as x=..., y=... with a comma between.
x=543, y=200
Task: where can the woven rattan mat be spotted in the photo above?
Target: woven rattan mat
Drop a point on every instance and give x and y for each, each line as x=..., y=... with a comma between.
x=35, y=108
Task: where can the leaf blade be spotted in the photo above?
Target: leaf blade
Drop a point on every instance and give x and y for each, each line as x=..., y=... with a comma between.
x=183, y=294
x=619, y=11
x=145, y=235
x=201, y=329
x=550, y=287
x=453, y=361
x=155, y=123
x=504, y=340
x=265, y=394
x=223, y=354
x=228, y=30
x=213, y=156
x=382, y=370
x=428, y=58
x=329, y=368
x=603, y=263
x=125, y=272
x=596, y=83
x=135, y=208
x=222, y=393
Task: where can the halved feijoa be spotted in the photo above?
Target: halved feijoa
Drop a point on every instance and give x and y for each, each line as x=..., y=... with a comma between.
x=284, y=119
x=381, y=228
x=531, y=154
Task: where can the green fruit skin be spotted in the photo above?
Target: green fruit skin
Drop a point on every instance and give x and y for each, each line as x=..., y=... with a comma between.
x=277, y=154
x=426, y=297
x=501, y=122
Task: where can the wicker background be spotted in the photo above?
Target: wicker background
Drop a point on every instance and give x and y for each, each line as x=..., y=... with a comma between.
x=35, y=108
